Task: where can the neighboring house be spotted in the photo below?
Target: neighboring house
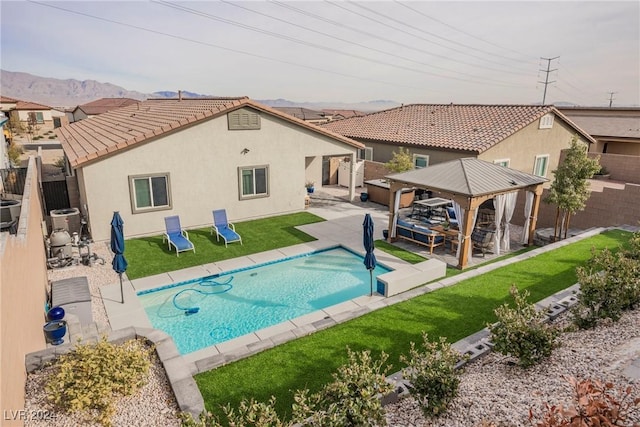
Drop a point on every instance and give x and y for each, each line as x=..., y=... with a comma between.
x=311, y=116
x=98, y=106
x=342, y=114
x=528, y=138
x=41, y=113
x=7, y=104
x=186, y=157
x=616, y=130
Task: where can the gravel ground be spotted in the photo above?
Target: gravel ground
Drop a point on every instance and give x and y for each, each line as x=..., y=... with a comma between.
x=151, y=406
x=494, y=390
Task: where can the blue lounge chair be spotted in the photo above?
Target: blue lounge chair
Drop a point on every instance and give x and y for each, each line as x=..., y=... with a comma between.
x=224, y=228
x=176, y=236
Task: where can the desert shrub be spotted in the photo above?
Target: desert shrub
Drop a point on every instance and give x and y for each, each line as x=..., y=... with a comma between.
x=59, y=163
x=609, y=284
x=352, y=399
x=14, y=152
x=594, y=404
x=90, y=378
x=521, y=332
x=250, y=413
x=432, y=373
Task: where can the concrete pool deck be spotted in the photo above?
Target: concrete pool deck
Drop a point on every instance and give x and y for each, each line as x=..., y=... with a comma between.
x=343, y=226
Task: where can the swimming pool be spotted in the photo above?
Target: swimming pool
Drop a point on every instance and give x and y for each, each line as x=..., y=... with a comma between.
x=207, y=311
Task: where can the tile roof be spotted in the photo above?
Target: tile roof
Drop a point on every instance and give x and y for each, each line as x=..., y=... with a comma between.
x=26, y=105
x=87, y=140
x=469, y=128
x=8, y=100
x=344, y=113
x=103, y=105
x=470, y=177
x=302, y=113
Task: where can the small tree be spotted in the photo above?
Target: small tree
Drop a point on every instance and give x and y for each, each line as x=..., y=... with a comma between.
x=569, y=190
x=401, y=161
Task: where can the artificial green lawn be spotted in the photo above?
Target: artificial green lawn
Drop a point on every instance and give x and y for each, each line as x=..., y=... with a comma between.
x=453, y=312
x=149, y=255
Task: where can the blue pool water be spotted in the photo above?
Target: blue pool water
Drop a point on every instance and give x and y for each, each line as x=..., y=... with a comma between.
x=214, y=309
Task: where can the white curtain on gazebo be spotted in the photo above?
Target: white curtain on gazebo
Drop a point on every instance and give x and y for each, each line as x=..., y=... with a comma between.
x=509, y=207
x=396, y=210
x=528, y=207
x=498, y=203
x=504, y=204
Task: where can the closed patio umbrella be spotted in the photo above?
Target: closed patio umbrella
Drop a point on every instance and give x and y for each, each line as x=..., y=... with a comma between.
x=119, y=263
x=367, y=240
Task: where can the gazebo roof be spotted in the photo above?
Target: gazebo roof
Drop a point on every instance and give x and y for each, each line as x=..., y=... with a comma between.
x=468, y=177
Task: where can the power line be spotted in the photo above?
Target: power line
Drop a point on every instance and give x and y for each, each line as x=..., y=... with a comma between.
x=462, y=31
x=404, y=45
x=330, y=49
x=207, y=44
x=422, y=31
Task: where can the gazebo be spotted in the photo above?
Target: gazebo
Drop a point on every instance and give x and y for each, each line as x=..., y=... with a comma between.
x=468, y=182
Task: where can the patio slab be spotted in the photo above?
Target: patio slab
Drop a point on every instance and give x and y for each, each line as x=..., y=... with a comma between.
x=188, y=273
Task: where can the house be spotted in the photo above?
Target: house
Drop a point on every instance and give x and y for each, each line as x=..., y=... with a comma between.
x=41, y=114
x=342, y=114
x=98, y=106
x=44, y=117
x=527, y=138
x=311, y=116
x=186, y=157
x=616, y=130
x=7, y=104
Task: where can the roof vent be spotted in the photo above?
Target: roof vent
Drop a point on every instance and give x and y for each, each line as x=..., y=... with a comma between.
x=179, y=95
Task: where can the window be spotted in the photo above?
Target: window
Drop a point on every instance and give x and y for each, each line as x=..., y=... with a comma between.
x=420, y=161
x=546, y=121
x=254, y=181
x=541, y=165
x=39, y=117
x=149, y=192
x=366, y=153
x=243, y=119
x=502, y=162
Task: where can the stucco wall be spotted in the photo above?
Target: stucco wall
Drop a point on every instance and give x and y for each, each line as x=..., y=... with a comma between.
x=622, y=168
x=609, y=207
x=522, y=147
x=23, y=279
x=203, y=163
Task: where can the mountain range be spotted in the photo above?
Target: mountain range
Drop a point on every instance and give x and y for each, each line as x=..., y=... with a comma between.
x=68, y=93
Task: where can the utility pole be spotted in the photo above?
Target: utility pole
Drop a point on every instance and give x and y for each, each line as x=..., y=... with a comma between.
x=546, y=81
x=611, y=98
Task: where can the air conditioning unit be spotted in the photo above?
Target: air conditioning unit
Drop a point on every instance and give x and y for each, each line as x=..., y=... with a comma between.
x=66, y=219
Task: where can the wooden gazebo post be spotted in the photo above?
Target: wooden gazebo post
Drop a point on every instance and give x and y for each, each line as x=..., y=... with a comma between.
x=537, y=195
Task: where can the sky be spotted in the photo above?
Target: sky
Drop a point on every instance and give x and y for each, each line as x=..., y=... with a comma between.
x=480, y=52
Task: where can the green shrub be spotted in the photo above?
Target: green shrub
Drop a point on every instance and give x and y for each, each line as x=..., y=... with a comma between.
x=609, y=284
x=352, y=399
x=432, y=373
x=521, y=332
x=91, y=377
x=249, y=413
